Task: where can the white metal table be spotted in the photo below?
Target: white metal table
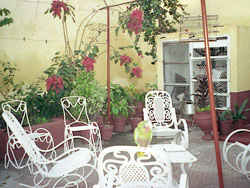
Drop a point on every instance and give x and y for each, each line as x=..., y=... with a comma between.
x=177, y=154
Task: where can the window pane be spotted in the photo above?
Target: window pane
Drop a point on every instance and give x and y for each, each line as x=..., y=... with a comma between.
x=215, y=51
x=220, y=101
x=219, y=68
x=176, y=73
x=175, y=53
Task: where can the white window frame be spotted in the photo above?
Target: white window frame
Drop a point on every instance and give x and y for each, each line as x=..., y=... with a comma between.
x=218, y=43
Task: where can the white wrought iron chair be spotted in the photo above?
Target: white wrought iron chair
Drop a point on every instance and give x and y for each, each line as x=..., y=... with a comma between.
x=76, y=119
x=120, y=167
x=19, y=108
x=160, y=112
x=242, y=162
x=69, y=169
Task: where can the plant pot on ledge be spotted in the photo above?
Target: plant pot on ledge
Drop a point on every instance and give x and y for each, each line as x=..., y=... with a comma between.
x=134, y=122
x=225, y=127
x=106, y=132
x=119, y=123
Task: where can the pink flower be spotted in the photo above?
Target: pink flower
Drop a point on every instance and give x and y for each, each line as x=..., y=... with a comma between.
x=125, y=59
x=56, y=8
x=135, y=21
x=54, y=83
x=137, y=71
x=88, y=63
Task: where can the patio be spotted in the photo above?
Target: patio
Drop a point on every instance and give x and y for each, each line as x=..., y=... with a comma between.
x=203, y=173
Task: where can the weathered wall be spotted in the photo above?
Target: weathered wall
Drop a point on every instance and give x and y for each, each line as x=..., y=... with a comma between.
x=33, y=55
x=33, y=39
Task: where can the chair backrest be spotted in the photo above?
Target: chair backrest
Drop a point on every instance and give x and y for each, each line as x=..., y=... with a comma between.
x=159, y=109
x=22, y=138
x=74, y=109
x=120, y=166
x=19, y=109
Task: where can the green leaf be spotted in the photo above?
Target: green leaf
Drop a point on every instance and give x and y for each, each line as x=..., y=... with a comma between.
x=117, y=31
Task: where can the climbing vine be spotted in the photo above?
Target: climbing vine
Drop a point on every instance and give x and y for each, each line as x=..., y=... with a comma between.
x=148, y=18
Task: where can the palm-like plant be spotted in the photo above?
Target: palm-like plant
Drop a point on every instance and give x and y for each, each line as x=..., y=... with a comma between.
x=201, y=92
x=238, y=112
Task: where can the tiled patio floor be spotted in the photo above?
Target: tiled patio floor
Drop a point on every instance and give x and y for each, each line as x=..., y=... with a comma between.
x=202, y=174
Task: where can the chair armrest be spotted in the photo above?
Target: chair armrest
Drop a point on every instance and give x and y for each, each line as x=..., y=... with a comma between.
x=90, y=145
x=145, y=114
x=184, y=181
x=186, y=135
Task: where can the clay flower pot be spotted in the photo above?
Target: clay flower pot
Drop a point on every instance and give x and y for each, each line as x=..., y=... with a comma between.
x=134, y=122
x=106, y=132
x=119, y=123
x=204, y=122
x=225, y=127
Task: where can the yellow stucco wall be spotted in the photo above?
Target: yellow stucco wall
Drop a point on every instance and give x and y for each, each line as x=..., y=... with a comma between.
x=243, y=63
x=24, y=42
x=33, y=55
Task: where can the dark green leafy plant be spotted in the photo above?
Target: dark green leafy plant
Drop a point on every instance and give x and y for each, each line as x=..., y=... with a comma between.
x=119, y=102
x=239, y=112
x=201, y=93
x=159, y=16
x=6, y=20
x=224, y=115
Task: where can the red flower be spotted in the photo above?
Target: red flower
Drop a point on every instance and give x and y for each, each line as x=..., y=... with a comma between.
x=88, y=63
x=56, y=8
x=135, y=21
x=137, y=71
x=125, y=59
x=55, y=83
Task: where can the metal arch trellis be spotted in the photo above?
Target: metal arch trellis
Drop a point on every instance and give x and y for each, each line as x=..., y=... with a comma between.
x=107, y=7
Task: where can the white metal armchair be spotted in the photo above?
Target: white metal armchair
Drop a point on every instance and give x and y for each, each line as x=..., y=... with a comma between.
x=69, y=169
x=119, y=166
x=241, y=163
x=19, y=108
x=76, y=119
x=160, y=112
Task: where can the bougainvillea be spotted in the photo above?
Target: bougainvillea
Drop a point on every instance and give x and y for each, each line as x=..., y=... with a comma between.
x=88, y=63
x=136, y=71
x=54, y=83
x=125, y=59
x=148, y=19
x=135, y=21
x=58, y=6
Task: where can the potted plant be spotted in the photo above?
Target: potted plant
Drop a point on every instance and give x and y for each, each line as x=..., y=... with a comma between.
x=202, y=112
x=119, y=106
x=238, y=116
x=95, y=94
x=225, y=121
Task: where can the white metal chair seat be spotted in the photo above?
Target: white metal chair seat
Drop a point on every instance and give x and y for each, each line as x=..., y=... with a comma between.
x=68, y=169
x=241, y=163
x=76, y=119
x=167, y=132
x=19, y=107
x=160, y=112
x=70, y=163
x=120, y=166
